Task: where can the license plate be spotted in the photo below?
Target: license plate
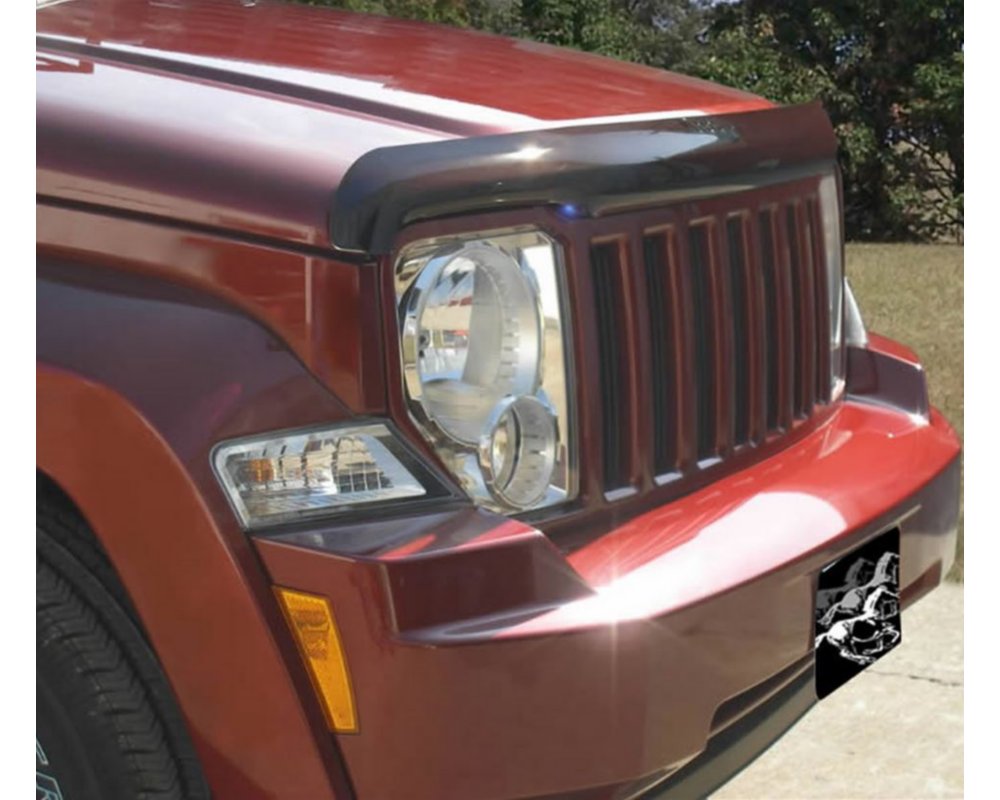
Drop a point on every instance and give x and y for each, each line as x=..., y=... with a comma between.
x=857, y=611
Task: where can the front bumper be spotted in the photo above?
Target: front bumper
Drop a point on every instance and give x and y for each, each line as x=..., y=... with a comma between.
x=488, y=664
x=777, y=706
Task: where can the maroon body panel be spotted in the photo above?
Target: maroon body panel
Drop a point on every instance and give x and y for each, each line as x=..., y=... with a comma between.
x=188, y=294
x=322, y=308
x=448, y=79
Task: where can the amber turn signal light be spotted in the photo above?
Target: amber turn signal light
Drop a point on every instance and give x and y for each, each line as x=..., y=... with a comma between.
x=315, y=630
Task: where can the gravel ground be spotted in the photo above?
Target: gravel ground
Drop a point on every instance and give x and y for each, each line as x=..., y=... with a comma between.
x=894, y=731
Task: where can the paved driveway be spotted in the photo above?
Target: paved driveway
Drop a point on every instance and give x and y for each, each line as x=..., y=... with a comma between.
x=895, y=731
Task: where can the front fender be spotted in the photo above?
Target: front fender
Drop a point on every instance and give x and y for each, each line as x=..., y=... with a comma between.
x=135, y=383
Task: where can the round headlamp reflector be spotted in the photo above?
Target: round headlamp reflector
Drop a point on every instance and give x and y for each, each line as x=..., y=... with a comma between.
x=474, y=331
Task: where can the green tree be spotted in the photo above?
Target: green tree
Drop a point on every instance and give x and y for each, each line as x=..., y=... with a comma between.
x=890, y=73
x=599, y=26
x=676, y=26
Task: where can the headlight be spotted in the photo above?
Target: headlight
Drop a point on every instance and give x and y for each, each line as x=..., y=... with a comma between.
x=833, y=244
x=485, y=363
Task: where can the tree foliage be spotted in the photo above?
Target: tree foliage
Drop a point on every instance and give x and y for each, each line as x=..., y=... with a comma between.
x=889, y=72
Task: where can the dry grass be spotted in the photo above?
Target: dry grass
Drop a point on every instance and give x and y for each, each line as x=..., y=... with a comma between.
x=914, y=293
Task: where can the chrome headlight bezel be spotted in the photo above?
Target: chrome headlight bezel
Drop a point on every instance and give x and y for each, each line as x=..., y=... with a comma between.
x=532, y=267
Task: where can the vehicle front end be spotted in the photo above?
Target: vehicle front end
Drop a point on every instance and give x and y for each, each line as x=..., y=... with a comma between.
x=527, y=468
x=654, y=416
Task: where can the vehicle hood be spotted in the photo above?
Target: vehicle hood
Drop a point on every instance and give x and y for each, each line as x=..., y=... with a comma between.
x=301, y=93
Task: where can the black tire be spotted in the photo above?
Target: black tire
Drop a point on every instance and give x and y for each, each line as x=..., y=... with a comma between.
x=107, y=726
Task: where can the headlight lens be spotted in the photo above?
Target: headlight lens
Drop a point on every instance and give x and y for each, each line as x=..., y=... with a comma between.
x=484, y=363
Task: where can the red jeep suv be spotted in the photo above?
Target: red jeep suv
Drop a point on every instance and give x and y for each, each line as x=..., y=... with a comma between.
x=427, y=414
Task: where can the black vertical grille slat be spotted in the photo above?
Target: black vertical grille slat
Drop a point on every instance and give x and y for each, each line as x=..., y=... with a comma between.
x=771, y=301
x=662, y=347
x=741, y=330
x=813, y=231
x=808, y=301
x=604, y=260
x=704, y=351
x=799, y=399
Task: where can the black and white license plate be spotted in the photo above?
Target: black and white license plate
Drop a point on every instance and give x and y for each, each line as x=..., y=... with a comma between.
x=857, y=611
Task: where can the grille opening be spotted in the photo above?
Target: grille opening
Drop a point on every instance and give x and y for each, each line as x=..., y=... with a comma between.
x=769, y=270
x=704, y=340
x=740, y=294
x=663, y=365
x=608, y=301
x=799, y=342
x=720, y=306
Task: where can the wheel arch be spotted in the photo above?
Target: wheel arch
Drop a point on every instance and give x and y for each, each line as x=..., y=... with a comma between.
x=137, y=378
